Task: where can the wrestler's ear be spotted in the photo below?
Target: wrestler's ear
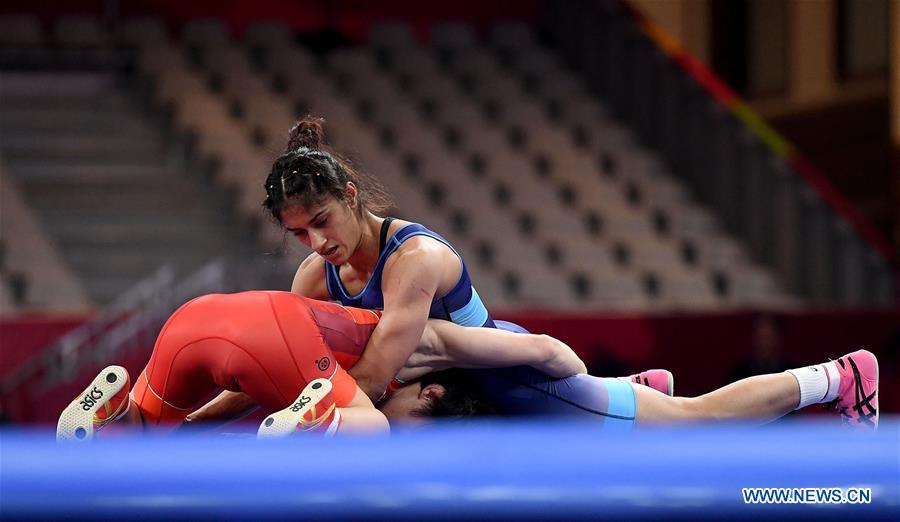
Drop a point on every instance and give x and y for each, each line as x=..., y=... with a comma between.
x=350, y=194
x=432, y=391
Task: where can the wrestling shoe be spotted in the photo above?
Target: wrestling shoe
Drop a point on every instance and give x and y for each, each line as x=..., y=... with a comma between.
x=313, y=411
x=105, y=400
x=857, y=398
x=660, y=380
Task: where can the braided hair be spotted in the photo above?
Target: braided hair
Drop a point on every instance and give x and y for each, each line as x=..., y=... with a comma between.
x=308, y=171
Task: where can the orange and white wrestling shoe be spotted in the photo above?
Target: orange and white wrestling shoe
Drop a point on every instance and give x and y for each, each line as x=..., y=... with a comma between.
x=857, y=398
x=105, y=400
x=660, y=380
x=313, y=411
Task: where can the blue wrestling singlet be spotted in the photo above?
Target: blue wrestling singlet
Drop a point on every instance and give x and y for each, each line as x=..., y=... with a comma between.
x=461, y=305
x=521, y=390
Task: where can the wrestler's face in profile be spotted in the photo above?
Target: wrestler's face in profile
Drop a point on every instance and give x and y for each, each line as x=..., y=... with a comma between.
x=400, y=407
x=331, y=227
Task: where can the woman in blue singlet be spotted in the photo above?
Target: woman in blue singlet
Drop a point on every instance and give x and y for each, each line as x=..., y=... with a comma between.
x=412, y=274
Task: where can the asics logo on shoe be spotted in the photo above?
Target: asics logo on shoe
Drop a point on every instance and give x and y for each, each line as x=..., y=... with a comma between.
x=90, y=399
x=301, y=402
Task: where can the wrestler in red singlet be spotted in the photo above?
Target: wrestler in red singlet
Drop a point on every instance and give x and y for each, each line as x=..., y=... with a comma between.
x=269, y=345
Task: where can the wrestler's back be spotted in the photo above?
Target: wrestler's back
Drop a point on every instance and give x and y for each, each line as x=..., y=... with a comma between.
x=245, y=319
x=267, y=344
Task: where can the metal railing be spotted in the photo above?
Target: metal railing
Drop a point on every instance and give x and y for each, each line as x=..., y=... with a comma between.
x=133, y=320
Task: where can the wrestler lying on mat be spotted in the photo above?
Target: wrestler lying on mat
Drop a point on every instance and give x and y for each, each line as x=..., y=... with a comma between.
x=273, y=344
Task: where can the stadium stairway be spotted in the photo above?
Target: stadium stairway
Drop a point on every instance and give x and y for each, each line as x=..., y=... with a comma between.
x=100, y=177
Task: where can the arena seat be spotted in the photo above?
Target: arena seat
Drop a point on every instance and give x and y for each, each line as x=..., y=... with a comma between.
x=503, y=133
x=511, y=35
x=291, y=60
x=205, y=32
x=452, y=36
x=196, y=109
x=142, y=31
x=79, y=31
x=268, y=34
x=390, y=36
x=20, y=30
x=619, y=289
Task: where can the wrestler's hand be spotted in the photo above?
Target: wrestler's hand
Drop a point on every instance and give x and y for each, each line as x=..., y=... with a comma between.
x=561, y=361
x=228, y=406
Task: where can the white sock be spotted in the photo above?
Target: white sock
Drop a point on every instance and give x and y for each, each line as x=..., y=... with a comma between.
x=818, y=383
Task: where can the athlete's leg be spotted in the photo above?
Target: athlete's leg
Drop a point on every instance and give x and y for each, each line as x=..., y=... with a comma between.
x=850, y=383
x=152, y=401
x=177, y=377
x=345, y=330
x=762, y=398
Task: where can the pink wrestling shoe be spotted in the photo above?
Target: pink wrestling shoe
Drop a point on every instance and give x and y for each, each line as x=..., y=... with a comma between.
x=857, y=398
x=660, y=380
x=105, y=400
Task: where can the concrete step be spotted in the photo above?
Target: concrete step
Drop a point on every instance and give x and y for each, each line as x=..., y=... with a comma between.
x=196, y=218
x=169, y=217
x=124, y=233
x=111, y=100
x=38, y=130
x=50, y=84
x=95, y=169
x=75, y=122
x=122, y=259
x=21, y=117
x=109, y=105
x=121, y=196
x=18, y=149
x=89, y=174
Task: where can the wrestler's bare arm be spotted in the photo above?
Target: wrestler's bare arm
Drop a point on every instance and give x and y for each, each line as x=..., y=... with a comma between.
x=447, y=345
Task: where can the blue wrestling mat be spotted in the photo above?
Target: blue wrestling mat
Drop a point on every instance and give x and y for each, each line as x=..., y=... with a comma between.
x=473, y=471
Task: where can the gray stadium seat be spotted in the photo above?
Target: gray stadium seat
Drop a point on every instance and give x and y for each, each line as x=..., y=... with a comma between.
x=205, y=32
x=20, y=30
x=80, y=31
x=142, y=31
x=394, y=36
x=453, y=36
x=512, y=35
x=269, y=34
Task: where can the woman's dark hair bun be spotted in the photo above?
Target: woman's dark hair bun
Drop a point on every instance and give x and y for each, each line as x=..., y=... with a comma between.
x=307, y=133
